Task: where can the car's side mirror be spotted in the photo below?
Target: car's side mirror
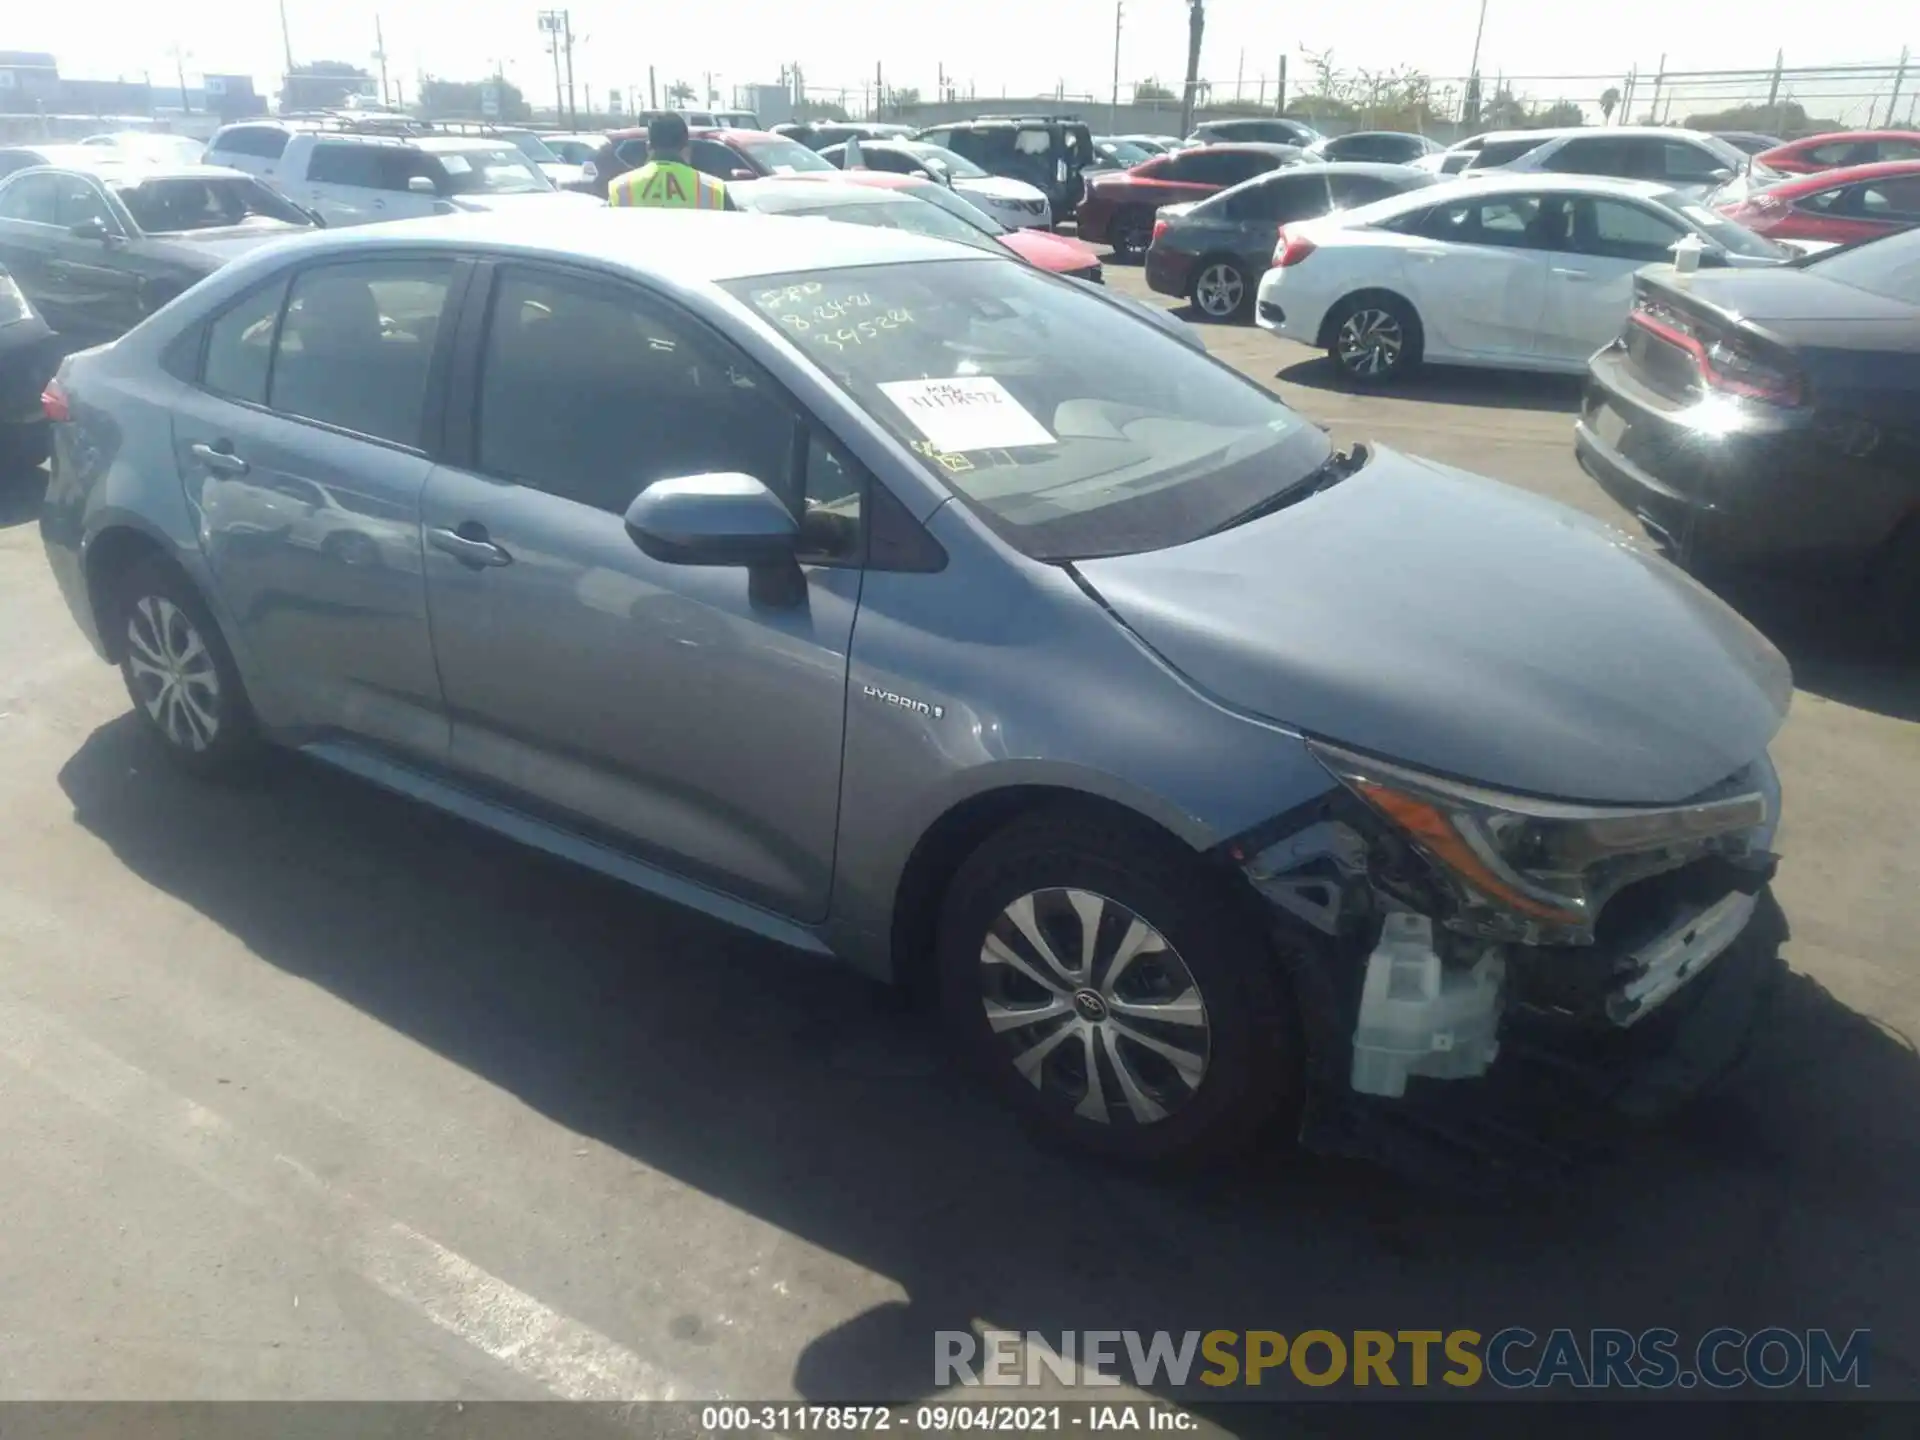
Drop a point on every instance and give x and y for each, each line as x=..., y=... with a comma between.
x=421, y=185
x=716, y=519
x=740, y=172
x=91, y=228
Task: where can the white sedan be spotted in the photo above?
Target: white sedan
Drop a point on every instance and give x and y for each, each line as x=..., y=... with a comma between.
x=1516, y=272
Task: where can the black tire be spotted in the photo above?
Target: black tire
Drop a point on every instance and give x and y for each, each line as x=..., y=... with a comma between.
x=1247, y=1054
x=1222, y=282
x=186, y=690
x=1385, y=343
x=1131, y=232
x=1895, y=578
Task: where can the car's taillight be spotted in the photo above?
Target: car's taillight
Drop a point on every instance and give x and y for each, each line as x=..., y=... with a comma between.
x=1726, y=360
x=53, y=400
x=1159, y=229
x=1292, y=249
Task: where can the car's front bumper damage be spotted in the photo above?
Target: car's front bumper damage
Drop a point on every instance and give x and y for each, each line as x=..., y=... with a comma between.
x=1429, y=1047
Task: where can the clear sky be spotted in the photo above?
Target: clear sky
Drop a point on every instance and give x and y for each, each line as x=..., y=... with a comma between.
x=1023, y=45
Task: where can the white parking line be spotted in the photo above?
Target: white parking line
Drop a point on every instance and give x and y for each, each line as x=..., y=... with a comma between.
x=536, y=1342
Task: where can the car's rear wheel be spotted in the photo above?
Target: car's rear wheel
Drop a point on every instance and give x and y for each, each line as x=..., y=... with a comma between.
x=1375, y=339
x=1220, y=290
x=1112, y=990
x=180, y=675
x=1131, y=233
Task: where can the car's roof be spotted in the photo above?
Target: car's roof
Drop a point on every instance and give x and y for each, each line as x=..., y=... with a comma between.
x=596, y=136
x=1848, y=175
x=138, y=172
x=866, y=179
x=1834, y=135
x=1255, y=147
x=687, y=246
x=1377, y=135
x=65, y=154
x=455, y=144
x=1632, y=132
x=825, y=190
x=699, y=132
x=1547, y=182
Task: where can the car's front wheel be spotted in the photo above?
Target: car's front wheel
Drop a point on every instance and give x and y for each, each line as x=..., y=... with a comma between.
x=1109, y=986
x=1375, y=339
x=184, y=685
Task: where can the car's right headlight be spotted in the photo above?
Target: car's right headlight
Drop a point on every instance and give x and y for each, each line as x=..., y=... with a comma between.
x=1540, y=870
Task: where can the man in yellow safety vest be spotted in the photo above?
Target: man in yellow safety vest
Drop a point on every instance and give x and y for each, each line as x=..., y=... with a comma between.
x=667, y=181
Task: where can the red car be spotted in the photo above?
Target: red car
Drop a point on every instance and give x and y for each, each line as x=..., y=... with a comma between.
x=1857, y=203
x=1119, y=204
x=1848, y=148
x=1061, y=254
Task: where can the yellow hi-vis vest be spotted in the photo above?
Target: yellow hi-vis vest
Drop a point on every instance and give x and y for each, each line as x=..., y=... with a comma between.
x=668, y=185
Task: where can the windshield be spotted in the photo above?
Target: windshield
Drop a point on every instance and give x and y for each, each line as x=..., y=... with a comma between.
x=573, y=152
x=531, y=146
x=178, y=204
x=1073, y=429
x=778, y=155
x=504, y=171
x=955, y=205
x=1889, y=266
x=1729, y=235
x=1124, y=152
x=956, y=164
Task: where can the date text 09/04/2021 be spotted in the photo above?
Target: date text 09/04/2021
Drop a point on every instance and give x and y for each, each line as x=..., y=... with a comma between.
x=947, y=1418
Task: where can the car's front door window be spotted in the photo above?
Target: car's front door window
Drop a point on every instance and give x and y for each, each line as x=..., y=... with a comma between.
x=32, y=198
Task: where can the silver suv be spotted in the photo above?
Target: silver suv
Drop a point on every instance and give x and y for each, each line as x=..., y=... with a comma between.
x=901, y=602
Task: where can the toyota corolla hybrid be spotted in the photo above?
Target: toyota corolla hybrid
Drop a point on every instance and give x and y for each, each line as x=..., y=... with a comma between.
x=953, y=621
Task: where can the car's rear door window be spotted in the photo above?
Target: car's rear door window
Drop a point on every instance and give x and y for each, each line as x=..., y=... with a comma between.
x=356, y=346
x=32, y=198
x=239, y=354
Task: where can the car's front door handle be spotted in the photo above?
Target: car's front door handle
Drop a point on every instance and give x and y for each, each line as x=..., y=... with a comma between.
x=472, y=548
x=216, y=457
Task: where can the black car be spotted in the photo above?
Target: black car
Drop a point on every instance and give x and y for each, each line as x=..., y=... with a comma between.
x=1046, y=151
x=1214, y=251
x=29, y=354
x=1379, y=147
x=1266, y=129
x=1772, y=414
x=98, y=250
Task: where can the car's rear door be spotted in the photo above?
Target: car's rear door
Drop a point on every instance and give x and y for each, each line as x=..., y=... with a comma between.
x=1477, y=274
x=683, y=713
x=326, y=387
x=1253, y=214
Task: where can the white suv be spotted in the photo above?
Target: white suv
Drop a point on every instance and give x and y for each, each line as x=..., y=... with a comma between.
x=355, y=179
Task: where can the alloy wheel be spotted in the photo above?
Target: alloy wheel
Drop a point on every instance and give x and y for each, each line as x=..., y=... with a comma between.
x=173, y=672
x=1370, y=343
x=1219, y=291
x=1093, y=1007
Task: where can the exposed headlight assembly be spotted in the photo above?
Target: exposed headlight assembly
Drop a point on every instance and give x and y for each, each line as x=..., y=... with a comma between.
x=1539, y=871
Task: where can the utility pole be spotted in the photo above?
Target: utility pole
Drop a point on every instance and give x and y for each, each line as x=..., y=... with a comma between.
x=1773, y=90
x=180, y=73
x=1196, y=27
x=550, y=26
x=879, y=93
x=653, y=90
x=566, y=31
x=1119, y=7
x=1899, y=76
x=1280, y=89
x=1240, y=75
x=286, y=39
x=380, y=54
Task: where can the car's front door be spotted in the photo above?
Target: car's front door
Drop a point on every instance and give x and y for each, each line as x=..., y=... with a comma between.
x=30, y=238
x=1477, y=271
x=680, y=712
x=100, y=278
x=1253, y=214
x=320, y=393
x=1590, y=282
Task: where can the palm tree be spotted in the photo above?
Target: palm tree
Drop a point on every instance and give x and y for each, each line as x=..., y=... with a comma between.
x=680, y=93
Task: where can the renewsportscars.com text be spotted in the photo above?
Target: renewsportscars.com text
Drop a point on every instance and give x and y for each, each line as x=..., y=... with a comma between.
x=1514, y=1358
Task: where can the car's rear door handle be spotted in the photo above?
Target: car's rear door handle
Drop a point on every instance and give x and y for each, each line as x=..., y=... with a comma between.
x=472, y=548
x=216, y=457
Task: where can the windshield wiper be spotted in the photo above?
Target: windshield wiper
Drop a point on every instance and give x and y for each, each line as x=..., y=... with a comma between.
x=1329, y=472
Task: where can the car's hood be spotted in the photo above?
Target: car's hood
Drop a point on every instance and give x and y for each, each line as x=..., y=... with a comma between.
x=998, y=187
x=508, y=202
x=208, y=250
x=1059, y=253
x=1448, y=621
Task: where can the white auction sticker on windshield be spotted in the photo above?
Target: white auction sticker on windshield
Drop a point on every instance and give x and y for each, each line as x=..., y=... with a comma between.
x=968, y=412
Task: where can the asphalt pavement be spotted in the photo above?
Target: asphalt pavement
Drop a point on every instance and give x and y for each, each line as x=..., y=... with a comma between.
x=308, y=1093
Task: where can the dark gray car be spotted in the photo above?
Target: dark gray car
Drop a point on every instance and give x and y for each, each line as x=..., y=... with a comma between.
x=899, y=602
x=1214, y=251
x=97, y=249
